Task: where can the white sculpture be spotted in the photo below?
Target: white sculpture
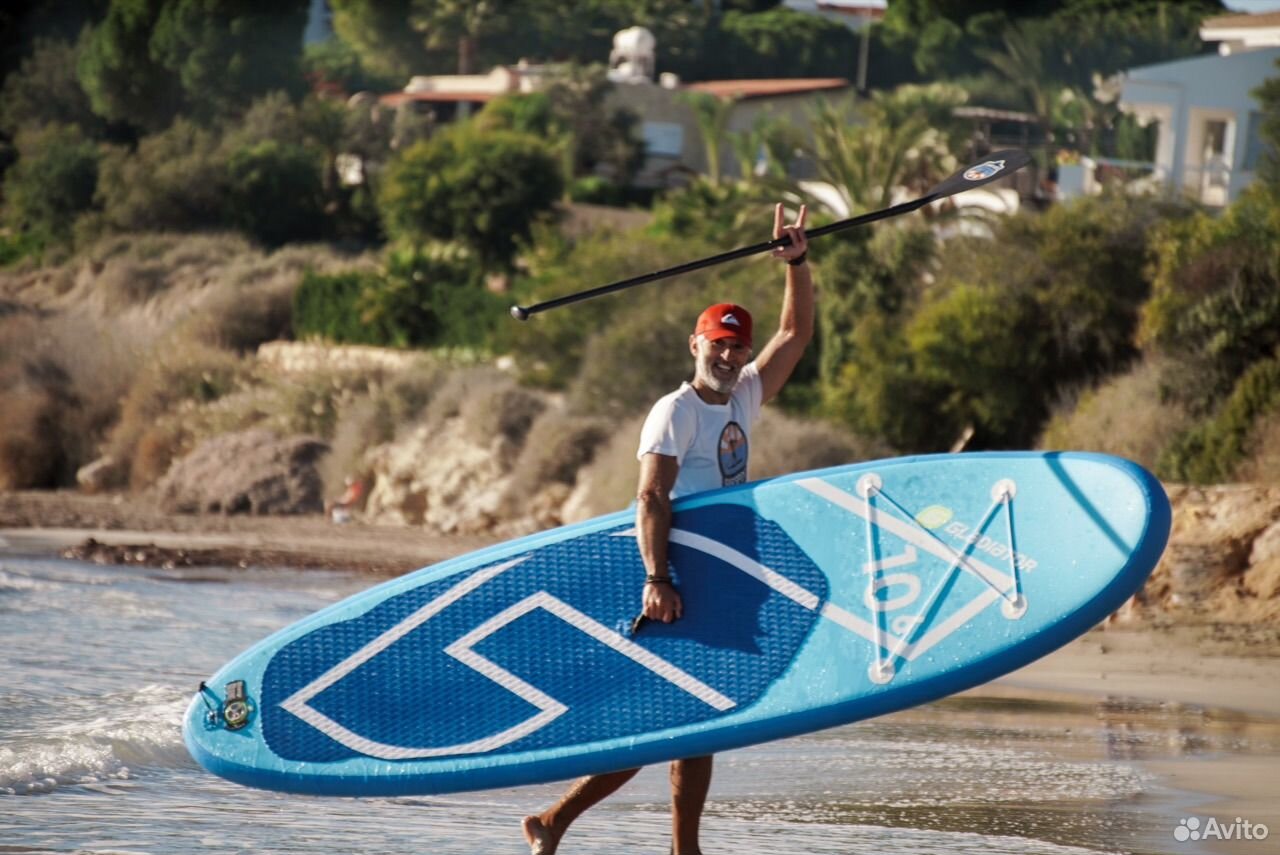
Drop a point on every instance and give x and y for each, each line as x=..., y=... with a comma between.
x=632, y=57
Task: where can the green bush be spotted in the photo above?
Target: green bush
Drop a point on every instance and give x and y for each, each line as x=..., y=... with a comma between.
x=1131, y=415
x=1211, y=452
x=45, y=90
x=526, y=113
x=275, y=192
x=16, y=246
x=977, y=347
x=643, y=352
x=550, y=348
x=1216, y=292
x=324, y=306
x=483, y=190
x=53, y=181
x=175, y=180
x=710, y=211
x=920, y=344
x=418, y=300
x=595, y=190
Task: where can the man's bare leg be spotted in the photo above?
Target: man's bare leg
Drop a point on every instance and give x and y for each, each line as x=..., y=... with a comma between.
x=543, y=832
x=690, y=781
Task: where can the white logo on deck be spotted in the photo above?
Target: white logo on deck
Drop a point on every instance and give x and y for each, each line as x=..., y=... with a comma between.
x=463, y=650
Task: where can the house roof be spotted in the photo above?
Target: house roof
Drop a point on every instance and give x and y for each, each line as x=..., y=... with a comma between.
x=1242, y=22
x=764, y=88
x=395, y=99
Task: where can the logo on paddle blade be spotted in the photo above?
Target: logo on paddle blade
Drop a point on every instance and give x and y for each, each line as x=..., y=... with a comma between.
x=983, y=170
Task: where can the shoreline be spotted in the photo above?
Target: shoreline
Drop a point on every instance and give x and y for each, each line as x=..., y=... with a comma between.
x=1197, y=676
x=1214, y=665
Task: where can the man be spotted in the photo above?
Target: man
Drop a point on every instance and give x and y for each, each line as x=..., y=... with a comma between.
x=695, y=439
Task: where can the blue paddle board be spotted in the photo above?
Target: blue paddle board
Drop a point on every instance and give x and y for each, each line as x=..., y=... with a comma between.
x=810, y=601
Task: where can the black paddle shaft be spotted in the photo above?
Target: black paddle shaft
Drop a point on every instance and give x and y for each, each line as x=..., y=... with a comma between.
x=996, y=165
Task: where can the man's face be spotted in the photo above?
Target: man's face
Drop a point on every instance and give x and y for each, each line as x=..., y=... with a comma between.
x=718, y=363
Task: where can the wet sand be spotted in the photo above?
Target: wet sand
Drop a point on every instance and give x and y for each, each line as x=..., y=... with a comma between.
x=1221, y=678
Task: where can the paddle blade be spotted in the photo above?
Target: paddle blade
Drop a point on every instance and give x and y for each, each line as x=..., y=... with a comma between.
x=995, y=165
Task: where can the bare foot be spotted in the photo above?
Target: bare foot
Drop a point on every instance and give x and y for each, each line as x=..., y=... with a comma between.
x=542, y=839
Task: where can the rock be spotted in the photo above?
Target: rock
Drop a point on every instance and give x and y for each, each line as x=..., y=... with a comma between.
x=1224, y=545
x=105, y=473
x=444, y=478
x=454, y=473
x=250, y=472
x=1262, y=579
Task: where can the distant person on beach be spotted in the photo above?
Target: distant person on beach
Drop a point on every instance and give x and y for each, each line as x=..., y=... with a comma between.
x=696, y=439
x=352, y=498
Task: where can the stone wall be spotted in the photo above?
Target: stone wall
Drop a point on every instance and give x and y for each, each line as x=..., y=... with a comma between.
x=300, y=357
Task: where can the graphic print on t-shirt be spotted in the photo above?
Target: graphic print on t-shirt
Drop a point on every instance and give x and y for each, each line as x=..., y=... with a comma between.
x=733, y=454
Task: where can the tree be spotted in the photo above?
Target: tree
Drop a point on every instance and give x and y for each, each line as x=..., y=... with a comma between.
x=456, y=22
x=901, y=139
x=595, y=133
x=174, y=180
x=711, y=114
x=275, y=192
x=779, y=42
x=378, y=31
x=1022, y=61
x=124, y=83
x=52, y=182
x=45, y=90
x=483, y=190
x=227, y=52
x=149, y=60
x=1268, y=97
x=767, y=148
x=334, y=62
x=1215, y=301
x=23, y=23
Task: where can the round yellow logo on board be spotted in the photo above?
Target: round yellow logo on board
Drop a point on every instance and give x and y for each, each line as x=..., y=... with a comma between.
x=935, y=516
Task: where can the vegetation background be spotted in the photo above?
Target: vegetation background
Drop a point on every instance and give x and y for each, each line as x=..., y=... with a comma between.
x=172, y=198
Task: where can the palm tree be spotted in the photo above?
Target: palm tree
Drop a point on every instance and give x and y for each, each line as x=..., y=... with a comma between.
x=1024, y=62
x=766, y=148
x=899, y=140
x=712, y=117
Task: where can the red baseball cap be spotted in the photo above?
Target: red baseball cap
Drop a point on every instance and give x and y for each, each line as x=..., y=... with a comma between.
x=723, y=320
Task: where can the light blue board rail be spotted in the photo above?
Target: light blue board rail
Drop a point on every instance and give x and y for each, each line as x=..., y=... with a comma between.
x=809, y=601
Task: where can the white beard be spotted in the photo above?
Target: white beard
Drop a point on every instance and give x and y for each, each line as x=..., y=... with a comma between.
x=713, y=381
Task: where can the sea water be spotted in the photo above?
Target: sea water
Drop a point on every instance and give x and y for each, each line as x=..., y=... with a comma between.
x=99, y=664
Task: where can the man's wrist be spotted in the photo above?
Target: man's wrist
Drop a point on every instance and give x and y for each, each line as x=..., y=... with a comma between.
x=657, y=580
x=800, y=259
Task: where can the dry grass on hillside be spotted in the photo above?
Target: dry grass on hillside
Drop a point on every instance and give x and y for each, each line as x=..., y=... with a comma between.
x=61, y=380
x=1128, y=416
x=1262, y=466
x=113, y=339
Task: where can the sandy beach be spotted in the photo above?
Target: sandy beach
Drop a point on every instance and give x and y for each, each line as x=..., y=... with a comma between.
x=1209, y=678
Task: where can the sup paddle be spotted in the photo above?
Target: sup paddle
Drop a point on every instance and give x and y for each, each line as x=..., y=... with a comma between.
x=993, y=166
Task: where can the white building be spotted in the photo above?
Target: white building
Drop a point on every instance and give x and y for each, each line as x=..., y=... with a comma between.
x=854, y=14
x=1207, y=144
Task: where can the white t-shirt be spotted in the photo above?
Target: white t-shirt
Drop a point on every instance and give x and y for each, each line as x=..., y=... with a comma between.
x=709, y=441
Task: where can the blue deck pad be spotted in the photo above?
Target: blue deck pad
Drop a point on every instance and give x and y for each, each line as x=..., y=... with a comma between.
x=414, y=695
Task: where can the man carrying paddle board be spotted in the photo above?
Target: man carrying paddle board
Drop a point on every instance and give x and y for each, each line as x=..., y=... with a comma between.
x=696, y=439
